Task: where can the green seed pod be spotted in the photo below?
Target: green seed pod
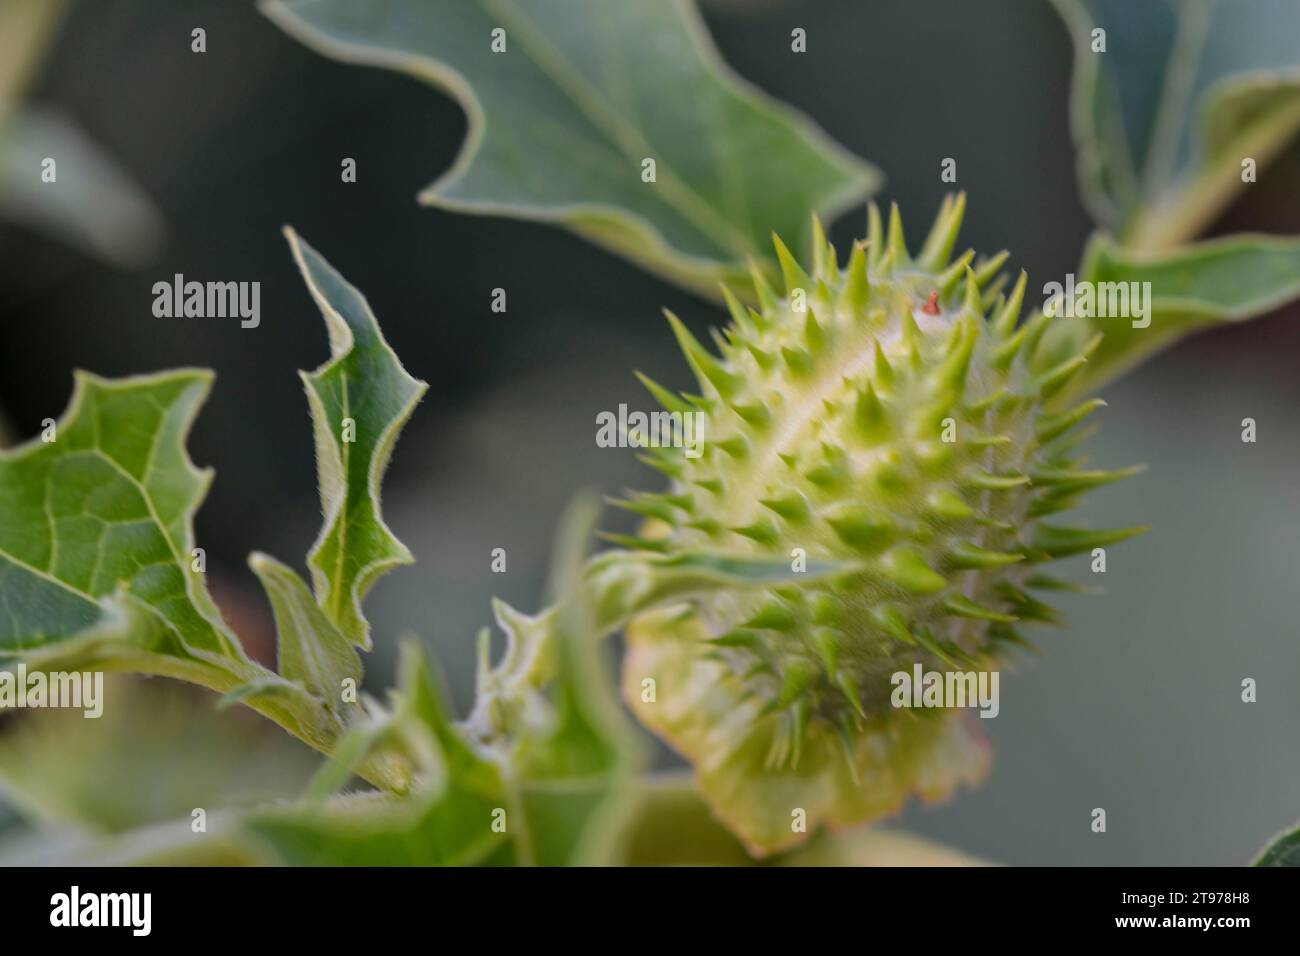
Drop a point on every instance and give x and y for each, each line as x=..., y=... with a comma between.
x=890, y=416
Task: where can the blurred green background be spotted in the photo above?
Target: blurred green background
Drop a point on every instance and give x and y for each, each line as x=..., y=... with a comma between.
x=1135, y=708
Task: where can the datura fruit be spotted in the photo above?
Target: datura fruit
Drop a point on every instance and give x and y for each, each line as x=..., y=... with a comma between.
x=890, y=416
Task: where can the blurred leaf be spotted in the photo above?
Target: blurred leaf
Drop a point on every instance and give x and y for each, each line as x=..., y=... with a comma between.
x=157, y=752
x=1283, y=851
x=93, y=205
x=1192, y=287
x=575, y=766
x=667, y=824
x=1185, y=90
x=672, y=826
x=560, y=123
x=26, y=26
x=444, y=819
x=173, y=843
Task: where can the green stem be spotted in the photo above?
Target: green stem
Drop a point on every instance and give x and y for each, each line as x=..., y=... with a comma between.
x=387, y=770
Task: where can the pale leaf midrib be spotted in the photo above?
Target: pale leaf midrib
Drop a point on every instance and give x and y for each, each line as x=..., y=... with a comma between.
x=679, y=196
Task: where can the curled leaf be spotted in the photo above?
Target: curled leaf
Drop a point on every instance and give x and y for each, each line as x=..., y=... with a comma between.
x=360, y=400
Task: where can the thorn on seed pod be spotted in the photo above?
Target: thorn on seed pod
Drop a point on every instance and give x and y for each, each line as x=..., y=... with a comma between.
x=829, y=428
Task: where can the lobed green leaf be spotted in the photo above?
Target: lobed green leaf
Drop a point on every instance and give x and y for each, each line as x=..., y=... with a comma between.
x=104, y=511
x=360, y=400
x=561, y=122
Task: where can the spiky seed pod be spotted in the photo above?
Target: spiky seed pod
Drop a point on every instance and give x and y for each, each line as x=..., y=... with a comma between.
x=895, y=424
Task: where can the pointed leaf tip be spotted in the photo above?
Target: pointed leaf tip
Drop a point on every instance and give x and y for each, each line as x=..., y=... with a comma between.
x=360, y=399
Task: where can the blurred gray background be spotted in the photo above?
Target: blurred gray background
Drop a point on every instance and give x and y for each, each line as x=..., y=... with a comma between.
x=1135, y=708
